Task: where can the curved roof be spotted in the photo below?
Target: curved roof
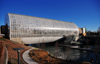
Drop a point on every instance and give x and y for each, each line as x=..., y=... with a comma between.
x=30, y=21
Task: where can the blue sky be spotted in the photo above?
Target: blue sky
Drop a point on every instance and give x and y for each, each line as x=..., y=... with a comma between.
x=84, y=13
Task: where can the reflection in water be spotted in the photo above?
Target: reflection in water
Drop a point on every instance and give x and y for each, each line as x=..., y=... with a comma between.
x=72, y=54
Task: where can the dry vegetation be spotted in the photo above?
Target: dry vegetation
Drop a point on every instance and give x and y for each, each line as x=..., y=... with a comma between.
x=12, y=54
x=44, y=57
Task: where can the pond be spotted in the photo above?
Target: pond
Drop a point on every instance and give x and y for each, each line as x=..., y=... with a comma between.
x=72, y=54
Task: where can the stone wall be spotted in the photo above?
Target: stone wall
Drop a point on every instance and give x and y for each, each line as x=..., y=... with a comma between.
x=18, y=40
x=80, y=30
x=2, y=54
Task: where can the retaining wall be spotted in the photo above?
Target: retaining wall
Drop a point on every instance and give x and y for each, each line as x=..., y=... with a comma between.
x=3, y=54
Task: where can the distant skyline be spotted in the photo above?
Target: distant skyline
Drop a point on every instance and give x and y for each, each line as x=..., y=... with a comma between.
x=84, y=13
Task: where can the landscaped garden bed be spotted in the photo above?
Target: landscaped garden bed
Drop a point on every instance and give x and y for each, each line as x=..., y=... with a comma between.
x=42, y=56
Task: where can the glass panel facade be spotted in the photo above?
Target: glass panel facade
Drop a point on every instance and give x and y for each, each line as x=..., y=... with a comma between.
x=28, y=26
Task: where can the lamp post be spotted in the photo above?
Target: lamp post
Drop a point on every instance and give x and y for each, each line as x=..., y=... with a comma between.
x=18, y=51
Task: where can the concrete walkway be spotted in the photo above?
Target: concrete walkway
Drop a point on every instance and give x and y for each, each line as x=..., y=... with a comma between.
x=27, y=58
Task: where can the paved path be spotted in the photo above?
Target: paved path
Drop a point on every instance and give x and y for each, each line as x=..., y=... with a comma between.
x=27, y=58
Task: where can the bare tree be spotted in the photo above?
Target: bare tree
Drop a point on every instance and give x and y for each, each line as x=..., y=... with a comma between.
x=98, y=29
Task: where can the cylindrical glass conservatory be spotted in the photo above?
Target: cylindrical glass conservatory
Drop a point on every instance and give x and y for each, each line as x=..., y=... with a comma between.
x=29, y=29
